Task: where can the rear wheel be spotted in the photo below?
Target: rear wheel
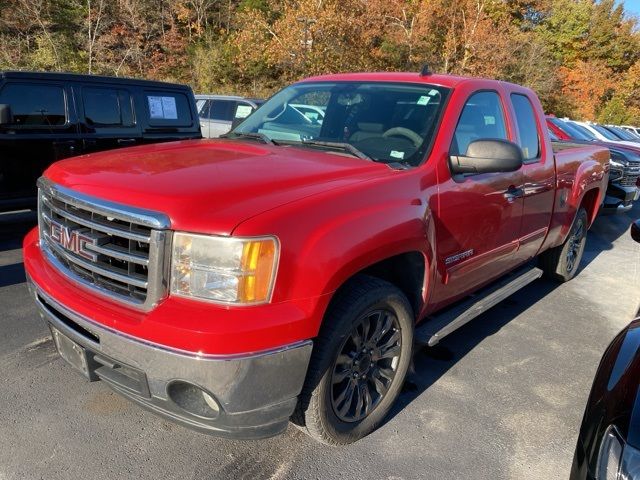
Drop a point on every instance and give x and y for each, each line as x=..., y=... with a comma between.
x=563, y=261
x=359, y=362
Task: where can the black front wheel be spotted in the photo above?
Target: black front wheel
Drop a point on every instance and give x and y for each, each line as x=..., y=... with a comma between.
x=359, y=362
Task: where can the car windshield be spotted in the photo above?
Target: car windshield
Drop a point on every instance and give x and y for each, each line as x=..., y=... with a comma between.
x=569, y=129
x=584, y=131
x=605, y=133
x=623, y=134
x=386, y=122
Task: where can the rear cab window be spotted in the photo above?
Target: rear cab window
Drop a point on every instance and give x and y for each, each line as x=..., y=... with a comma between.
x=527, y=127
x=35, y=105
x=167, y=109
x=107, y=107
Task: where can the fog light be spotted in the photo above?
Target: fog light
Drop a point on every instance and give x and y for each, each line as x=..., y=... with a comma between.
x=211, y=402
x=193, y=399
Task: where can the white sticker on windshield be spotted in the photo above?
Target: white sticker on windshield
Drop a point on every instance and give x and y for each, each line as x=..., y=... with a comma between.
x=163, y=108
x=423, y=100
x=396, y=154
x=243, y=111
x=155, y=107
x=169, y=108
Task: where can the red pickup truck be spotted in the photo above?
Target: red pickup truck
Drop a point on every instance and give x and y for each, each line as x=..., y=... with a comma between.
x=286, y=272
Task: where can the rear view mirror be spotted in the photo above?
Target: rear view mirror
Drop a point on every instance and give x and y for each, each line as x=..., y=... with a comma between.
x=5, y=114
x=488, y=156
x=635, y=230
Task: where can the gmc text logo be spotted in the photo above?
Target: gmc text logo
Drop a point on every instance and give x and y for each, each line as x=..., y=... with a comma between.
x=74, y=240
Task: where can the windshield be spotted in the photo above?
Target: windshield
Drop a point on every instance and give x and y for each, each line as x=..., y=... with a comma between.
x=569, y=129
x=387, y=122
x=605, y=133
x=584, y=131
x=623, y=134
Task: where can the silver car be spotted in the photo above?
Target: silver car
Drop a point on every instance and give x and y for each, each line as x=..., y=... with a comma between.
x=218, y=113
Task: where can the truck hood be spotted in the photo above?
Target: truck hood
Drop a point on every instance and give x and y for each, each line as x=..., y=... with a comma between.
x=210, y=186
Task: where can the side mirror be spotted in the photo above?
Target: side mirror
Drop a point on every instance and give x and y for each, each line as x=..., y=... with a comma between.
x=635, y=230
x=5, y=114
x=488, y=156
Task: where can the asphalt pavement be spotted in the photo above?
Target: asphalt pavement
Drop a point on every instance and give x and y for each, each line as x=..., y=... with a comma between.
x=502, y=398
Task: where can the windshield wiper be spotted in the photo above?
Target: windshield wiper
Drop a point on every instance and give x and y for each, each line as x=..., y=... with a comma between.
x=347, y=147
x=257, y=135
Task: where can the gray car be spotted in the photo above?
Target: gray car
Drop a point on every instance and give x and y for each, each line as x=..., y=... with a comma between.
x=219, y=112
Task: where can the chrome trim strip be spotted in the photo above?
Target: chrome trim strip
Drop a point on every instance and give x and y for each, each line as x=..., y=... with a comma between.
x=96, y=225
x=120, y=255
x=141, y=216
x=96, y=268
x=92, y=287
x=96, y=328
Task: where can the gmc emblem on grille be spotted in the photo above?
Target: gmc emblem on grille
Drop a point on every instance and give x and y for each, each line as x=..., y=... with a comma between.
x=74, y=240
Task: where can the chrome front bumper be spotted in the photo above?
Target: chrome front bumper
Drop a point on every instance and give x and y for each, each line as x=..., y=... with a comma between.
x=252, y=396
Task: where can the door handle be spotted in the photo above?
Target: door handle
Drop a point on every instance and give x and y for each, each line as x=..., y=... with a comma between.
x=126, y=141
x=513, y=193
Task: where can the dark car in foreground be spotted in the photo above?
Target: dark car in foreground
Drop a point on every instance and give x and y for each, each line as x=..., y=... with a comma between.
x=609, y=441
x=45, y=117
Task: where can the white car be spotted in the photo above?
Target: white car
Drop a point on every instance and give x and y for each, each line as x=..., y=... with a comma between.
x=219, y=113
x=603, y=134
x=635, y=130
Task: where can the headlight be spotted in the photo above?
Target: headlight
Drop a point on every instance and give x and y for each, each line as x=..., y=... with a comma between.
x=223, y=269
x=616, y=459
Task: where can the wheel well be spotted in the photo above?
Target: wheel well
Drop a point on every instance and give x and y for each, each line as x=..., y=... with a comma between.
x=405, y=271
x=590, y=204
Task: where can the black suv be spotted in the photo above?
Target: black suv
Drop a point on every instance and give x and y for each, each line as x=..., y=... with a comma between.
x=46, y=117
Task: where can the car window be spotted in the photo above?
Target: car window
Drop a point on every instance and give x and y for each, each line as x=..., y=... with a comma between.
x=482, y=118
x=168, y=109
x=605, y=133
x=222, y=110
x=107, y=107
x=388, y=122
x=203, y=108
x=243, y=110
x=527, y=127
x=35, y=104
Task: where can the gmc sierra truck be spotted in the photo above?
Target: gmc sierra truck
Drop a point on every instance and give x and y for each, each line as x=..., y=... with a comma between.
x=285, y=272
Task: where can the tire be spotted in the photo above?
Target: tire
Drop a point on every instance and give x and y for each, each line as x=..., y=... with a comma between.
x=562, y=262
x=328, y=409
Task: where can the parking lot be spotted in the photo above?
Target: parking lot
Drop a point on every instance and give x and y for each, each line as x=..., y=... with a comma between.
x=501, y=398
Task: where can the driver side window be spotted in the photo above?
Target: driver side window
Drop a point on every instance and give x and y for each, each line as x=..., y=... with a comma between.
x=482, y=118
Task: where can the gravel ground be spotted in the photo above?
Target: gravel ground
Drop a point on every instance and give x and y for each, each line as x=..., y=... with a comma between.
x=502, y=398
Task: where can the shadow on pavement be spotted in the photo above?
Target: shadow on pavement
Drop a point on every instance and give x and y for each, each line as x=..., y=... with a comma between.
x=606, y=229
x=432, y=363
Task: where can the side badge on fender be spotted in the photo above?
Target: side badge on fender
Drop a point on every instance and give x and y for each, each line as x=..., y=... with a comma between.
x=458, y=256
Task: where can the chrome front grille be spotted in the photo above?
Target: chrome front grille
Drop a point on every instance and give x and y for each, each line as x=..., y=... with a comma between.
x=116, y=250
x=630, y=175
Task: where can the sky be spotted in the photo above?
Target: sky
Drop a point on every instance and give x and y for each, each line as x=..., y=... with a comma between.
x=632, y=6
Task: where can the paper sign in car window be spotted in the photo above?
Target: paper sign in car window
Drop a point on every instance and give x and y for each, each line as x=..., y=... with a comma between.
x=489, y=120
x=396, y=154
x=169, y=108
x=423, y=100
x=243, y=111
x=155, y=107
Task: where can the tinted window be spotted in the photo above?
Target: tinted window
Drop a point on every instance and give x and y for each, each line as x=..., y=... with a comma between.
x=527, y=127
x=481, y=118
x=388, y=122
x=168, y=109
x=107, y=107
x=222, y=110
x=35, y=105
